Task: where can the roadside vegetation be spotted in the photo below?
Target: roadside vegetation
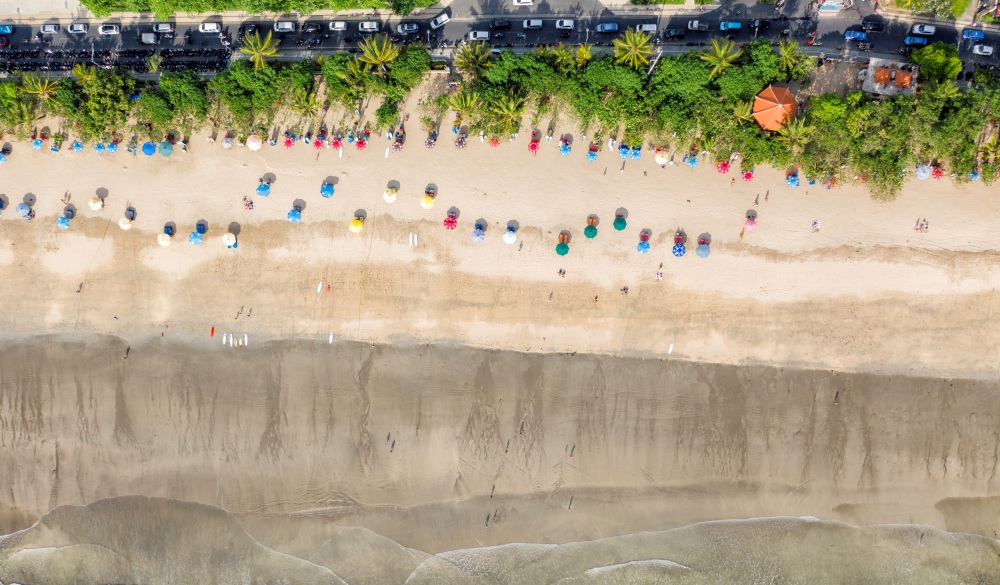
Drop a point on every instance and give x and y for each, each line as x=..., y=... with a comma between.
x=698, y=103
x=166, y=8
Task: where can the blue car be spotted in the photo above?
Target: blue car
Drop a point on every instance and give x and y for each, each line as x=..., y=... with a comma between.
x=855, y=35
x=910, y=41
x=973, y=35
x=728, y=26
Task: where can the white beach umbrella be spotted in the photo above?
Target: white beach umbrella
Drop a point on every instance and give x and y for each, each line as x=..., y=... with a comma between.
x=96, y=203
x=229, y=239
x=509, y=237
x=125, y=224
x=163, y=239
x=254, y=142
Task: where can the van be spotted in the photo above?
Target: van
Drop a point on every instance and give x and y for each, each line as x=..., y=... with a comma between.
x=369, y=26
x=284, y=26
x=479, y=35
x=209, y=27
x=338, y=26
x=646, y=28
x=147, y=38
x=532, y=24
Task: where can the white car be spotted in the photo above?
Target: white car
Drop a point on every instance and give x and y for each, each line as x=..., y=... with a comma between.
x=523, y=2
x=369, y=26
x=338, y=26
x=924, y=29
x=564, y=25
x=163, y=27
x=441, y=20
x=479, y=35
x=77, y=28
x=48, y=29
x=109, y=29
x=532, y=24
x=284, y=26
x=984, y=50
x=209, y=27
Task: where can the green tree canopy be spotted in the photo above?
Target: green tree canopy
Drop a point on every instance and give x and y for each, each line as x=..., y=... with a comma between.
x=938, y=62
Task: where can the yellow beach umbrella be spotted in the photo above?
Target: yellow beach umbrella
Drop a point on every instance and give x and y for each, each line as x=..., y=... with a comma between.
x=357, y=224
x=389, y=195
x=661, y=157
x=125, y=224
x=96, y=203
x=427, y=202
x=163, y=239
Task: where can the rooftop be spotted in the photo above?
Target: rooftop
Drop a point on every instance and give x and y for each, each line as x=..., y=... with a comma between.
x=887, y=77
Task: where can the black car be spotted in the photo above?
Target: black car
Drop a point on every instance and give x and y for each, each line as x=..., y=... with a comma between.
x=500, y=24
x=674, y=33
x=873, y=26
x=311, y=27
x=760, y=24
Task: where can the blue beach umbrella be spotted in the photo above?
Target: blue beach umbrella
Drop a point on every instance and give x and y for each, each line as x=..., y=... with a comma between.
x=166, y=149
x=643, y=247
x=148, y=148
x=478, y=235
x=564, y=149
x=678, y=250
x=263, y=189
x=3, y=158
x=622, y=152
x=326, y=190
x=99, y=148
x=702, y=250
x=974, y=175
x=195, y=238
x=636, y=152
x=36, y=144
x=591, y=156
x=112, y=147
x=23, y=209
x=77, y=146
x=63, y=222
x=295, y=216
x=692, y=161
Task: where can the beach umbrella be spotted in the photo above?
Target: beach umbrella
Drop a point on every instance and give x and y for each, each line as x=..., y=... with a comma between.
x=591, y=156
x=692, y=161
x=36, y=144
x=112, y=147
x=263, y=189
x=973, y=175
x=361, y=143
x=295, y=216
x=478, y=235
x=494, y=141
x=389, y=195
x=318, y=144
x=460, y=142
x=229, y=239
x=792, y=179
x=63, y=222
x=748, y=176
x=509, y=236
x=722, y=167
x=99, y=148
x=289, y=142
x=23, y=209
x=335, y=143
x=227, y=142
x=163, y=239
x=148, y=148
x=622, y=152
x=620, y=223
x=166, y=149
x=77, y=146
x=702, y=251
x=565, y=149
x=643, y=247
x=533, y=147
x=636, y=152
x=562, y=248
x=357, y=224
x=125, y=224
x=923, y=172
x=430, y=142
x=3, y=158
x=195, y=238
x=326, y=191
x=678, y=250
x=96, y=203
x=937, y=173
x=450, y=222
x=427, y=202
x=750, y=225
x=254, y=142
x=660, y=156
x=590, y=232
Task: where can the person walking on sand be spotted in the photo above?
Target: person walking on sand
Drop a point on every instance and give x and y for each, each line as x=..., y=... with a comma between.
x=732, y=182
x=127, y=350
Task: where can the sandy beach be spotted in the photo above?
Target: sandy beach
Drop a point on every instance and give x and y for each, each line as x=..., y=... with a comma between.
x=847, y=374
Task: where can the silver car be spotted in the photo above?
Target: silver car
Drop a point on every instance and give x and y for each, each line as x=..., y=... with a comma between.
x=109, y=29
x=77, y=28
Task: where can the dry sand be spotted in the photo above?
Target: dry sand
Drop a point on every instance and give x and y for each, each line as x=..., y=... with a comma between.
x=899, y=323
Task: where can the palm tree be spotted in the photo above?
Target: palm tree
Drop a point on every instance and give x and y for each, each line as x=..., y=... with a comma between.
x=991, y=148
x=633, y=49
x=153, y=63
x=507, y=112
x=788, y=55
x=721, y=56
x=378, y=52
x=796, y=135
x=38, y=86
x=559, y=57
x=22, y=114
x=584, y=55
x=943, y=90
x=304, y=103
x=473, y=58
x=743, y=111
x=259, y=49
x=83, y=73
x=465, y=103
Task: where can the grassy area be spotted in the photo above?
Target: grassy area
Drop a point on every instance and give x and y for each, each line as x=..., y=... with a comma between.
x=165, y=8
x=958, y=7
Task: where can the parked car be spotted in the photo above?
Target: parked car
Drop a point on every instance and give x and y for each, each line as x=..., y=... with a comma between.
x=439, y=21
x=523, y=2
x=759, y=24
x=479, y=35
x=407, y=28
x=369, y=26
x=338, y=26
x=48, y=29
x=109, y=30
x=312, y=27
x=698, y=25
x=646, y=28
x=606, y=27
x=911, y=41
x=873, y=26
x=726, y=25
x=500, y=24
x=674, y=33
x=163, y=27
x=77, y=28
x=564, y=25
x=923, y=29
x=210, y=28
x=984, y=50
x=533, y=24
x=971, y=34
x=284, y=26
x=147, y=38
x=855, y=35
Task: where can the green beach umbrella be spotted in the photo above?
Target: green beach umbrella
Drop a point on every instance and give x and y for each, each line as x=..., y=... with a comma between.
x=562, y=249
x=620, y=223
x=590, y=231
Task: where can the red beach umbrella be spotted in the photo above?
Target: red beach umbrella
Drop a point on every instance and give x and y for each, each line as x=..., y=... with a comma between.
x=494, y=141
x=318, y=144
x=722, y=167
x=361, y=144
x=450, y=222
x=748, y=176
x=533, y=147
x=937, y=173
x=289, y=142
x=336, y=144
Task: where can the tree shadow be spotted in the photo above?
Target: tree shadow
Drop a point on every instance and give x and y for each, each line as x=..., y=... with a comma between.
x=513, y=225
x=30, y=199
x=621, y=212
x=102, y=193
x=482, y=224
x=455, y=211
x=299, y=204
x=361, y=213
x=705, y=238
x=269, y=178
x=394, y=184
x=331, y=180
x=752, y=214
x=593, y=219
